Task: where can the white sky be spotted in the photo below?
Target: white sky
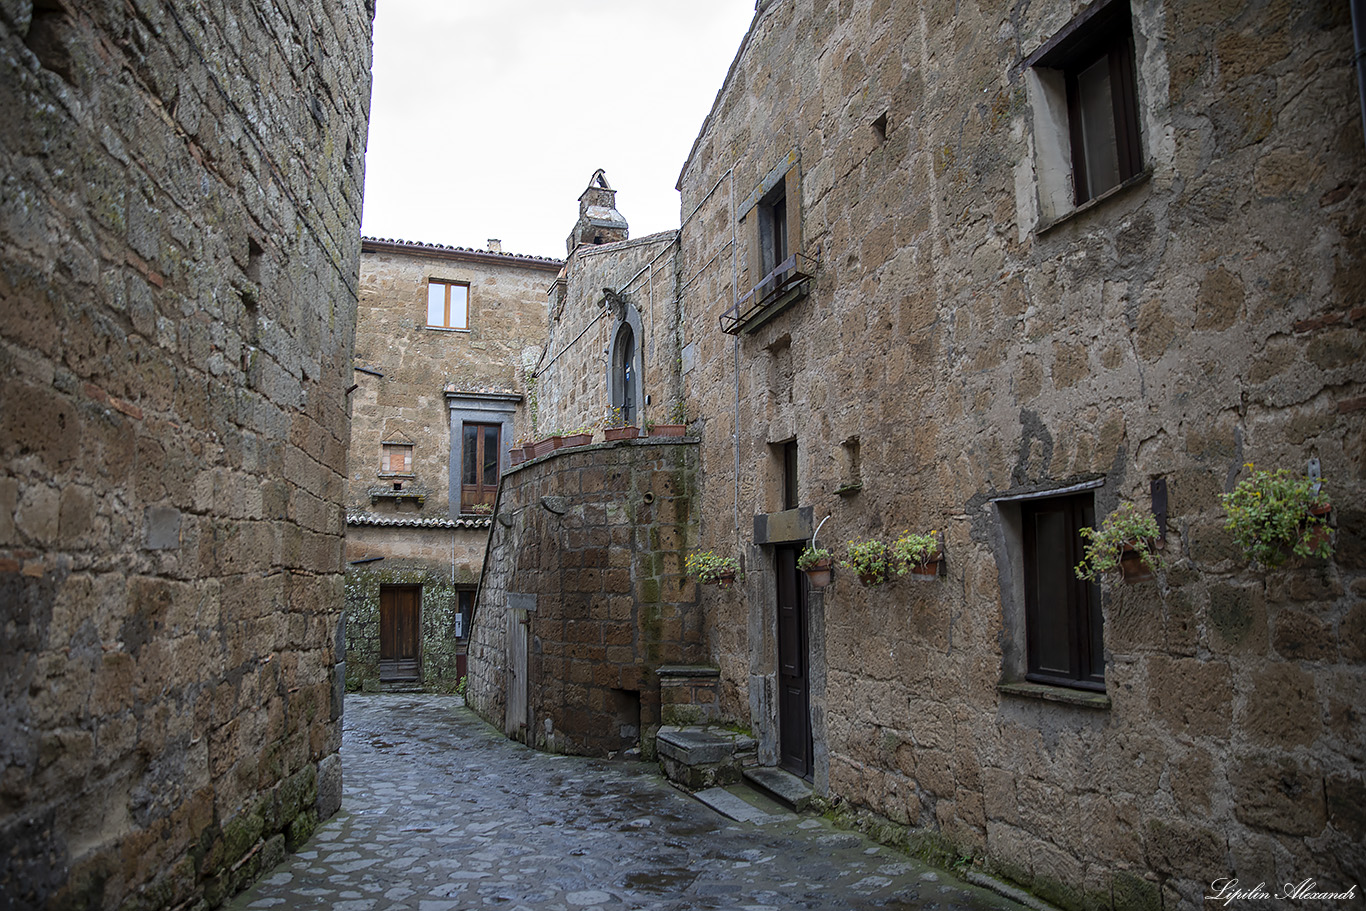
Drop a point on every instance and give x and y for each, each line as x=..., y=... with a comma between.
x=487, y=119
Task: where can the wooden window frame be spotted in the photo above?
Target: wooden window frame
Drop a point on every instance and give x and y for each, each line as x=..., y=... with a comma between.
x=1074, y=604
x=448, y=284
x=480, y=491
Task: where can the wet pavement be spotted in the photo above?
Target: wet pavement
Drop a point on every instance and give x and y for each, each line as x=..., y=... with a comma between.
x=441, y=813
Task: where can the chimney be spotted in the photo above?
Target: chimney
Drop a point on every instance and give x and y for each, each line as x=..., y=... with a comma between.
x=495, y=245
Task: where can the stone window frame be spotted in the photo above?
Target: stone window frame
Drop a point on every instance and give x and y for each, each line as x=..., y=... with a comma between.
x=477, y=408
x=1104, y=30
x=627, y=316
x=1009, y=546
x=449, y=283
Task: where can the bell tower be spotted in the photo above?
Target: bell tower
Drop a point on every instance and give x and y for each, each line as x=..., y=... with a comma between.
x=599, y=221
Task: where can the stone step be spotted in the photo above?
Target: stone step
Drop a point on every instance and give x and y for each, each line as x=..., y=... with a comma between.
x=782, y=786
x=731, y=802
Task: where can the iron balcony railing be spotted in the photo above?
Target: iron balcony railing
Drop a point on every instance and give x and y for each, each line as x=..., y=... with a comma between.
x=779, y=288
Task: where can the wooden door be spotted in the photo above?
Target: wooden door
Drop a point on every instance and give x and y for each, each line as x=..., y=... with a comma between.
x=794, y=694
x=399, y=632
x=514, y=724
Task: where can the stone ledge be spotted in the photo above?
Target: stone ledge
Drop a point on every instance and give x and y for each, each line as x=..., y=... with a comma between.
x=1062, y=694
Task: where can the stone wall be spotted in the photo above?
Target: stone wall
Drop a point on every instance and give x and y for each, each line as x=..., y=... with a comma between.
x=418, y=384
x=587, y=552
x=961, y=345
x=419, y=364
x=572, y=383
x=178, y=261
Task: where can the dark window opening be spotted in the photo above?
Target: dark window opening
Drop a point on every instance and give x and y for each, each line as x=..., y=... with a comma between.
x=464, y=612
x=1062, y=612
x=624, y=373
x=1095, y=55
x=773, y=241
x=790, y=475
x=480, y=453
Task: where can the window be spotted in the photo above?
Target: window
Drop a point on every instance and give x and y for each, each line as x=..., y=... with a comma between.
x=463, y=613
x=1086, y=108
x=623, y=368
x=448, y=304
x=396, y=458
x=773, y=242
x=479, y=472
x=790, y=475
x=1062, y=612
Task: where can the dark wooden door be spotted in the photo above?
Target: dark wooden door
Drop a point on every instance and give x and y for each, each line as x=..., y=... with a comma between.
x=794, y=694
x=399, y=634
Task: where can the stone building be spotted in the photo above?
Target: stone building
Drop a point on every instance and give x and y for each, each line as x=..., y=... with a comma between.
x=584, y=599
x=178, y=261
x=445, y=338
x=992, y=270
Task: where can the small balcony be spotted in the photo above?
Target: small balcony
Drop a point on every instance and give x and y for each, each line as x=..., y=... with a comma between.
x=780, y=289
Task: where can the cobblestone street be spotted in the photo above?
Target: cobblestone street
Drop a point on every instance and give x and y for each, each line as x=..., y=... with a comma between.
x=442, y=813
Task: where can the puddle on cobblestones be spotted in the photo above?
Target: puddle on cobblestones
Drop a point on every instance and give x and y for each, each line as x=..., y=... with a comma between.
x=669, y=882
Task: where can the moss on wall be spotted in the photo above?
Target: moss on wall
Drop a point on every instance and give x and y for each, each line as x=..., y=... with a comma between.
x=439, y=605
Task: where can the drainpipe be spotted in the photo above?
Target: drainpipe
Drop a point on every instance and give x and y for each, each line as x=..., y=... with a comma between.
x=1359, y=33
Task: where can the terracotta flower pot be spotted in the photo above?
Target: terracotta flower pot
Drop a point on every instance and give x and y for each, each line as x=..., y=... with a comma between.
x=1132, y=568
x=819, y=574
x=927, y=572
x=621, y=433
x=725, y=580
x=516, y=455
x=576, y=439
x=668, y=430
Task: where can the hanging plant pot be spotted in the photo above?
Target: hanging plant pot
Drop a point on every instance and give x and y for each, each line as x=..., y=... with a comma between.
x=725, y=580
x=576, y=439
x=930, y=570
x=1132, y=568
x=621, y=433
x=668, y=430
x=819, y=574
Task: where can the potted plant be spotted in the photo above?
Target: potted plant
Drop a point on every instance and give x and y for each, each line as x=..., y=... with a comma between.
x=579, y=436
x=816, y=562
x=1124, y=545
x=616, y=427
x=923, y=555
x=873, y=560
x=544, y=446
x=678, y=417
x=709, y=568
x=518, y=454
x=1278, y=515
x=481, y=509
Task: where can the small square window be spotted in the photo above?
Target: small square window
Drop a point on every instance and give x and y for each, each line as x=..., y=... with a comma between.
x=396, y=458
x=1085, y=103
x=448, y=304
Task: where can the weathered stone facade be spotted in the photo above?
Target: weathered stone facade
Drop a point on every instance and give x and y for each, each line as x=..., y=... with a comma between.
x=178, y=258
x=968, y=343
x=585, y=598
x=417, y=385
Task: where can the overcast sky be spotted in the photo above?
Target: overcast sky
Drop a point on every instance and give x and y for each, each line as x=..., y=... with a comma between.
x=488, y=119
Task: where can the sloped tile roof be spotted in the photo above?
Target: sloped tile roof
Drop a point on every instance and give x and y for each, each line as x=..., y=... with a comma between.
x=417, y=246
x=369, y=518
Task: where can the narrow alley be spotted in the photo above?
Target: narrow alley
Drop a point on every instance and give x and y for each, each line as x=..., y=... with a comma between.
x=442, y=813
